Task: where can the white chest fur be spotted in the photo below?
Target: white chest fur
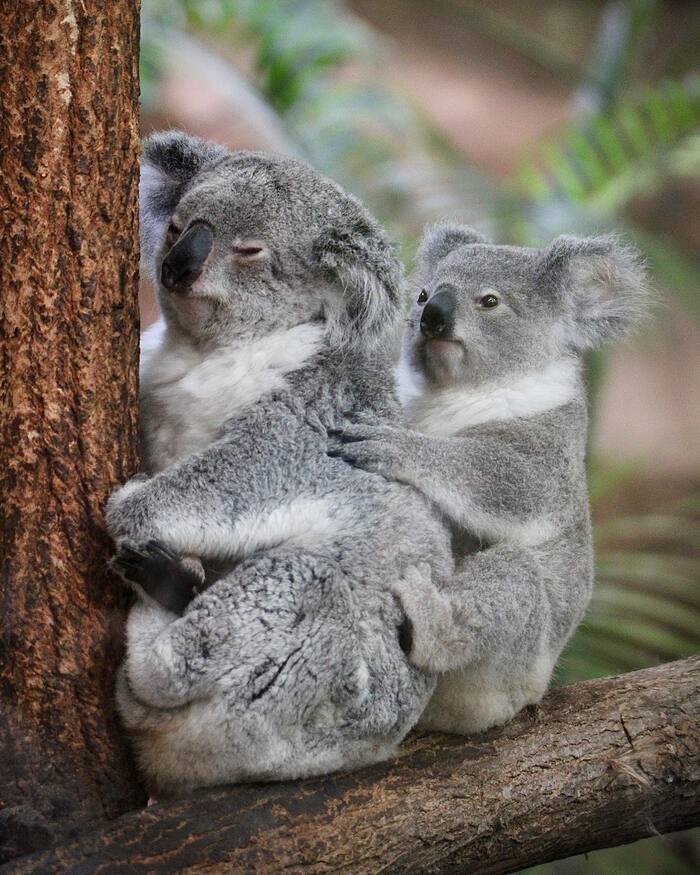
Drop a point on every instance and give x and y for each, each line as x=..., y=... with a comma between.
x=190, y=394
x=448, y=412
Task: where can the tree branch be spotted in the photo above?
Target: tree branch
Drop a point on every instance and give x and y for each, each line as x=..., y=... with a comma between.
x=597, y=764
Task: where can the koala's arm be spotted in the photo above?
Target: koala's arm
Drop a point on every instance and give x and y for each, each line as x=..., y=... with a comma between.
x=495, y=603
x=482, y=482
x=194, y=507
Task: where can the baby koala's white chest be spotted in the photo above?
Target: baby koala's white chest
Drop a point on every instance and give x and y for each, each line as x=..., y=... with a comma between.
x=453, y=411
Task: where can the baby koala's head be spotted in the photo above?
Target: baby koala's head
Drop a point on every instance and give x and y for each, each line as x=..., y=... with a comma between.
x=484, y=313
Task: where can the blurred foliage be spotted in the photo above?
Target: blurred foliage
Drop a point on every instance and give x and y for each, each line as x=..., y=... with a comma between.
x=606, y=159
x=646, y=604
x=319, y=69
x=585, y=177
x=661, y=855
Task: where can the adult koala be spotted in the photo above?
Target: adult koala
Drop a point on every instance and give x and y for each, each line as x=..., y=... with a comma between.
x=281, y=303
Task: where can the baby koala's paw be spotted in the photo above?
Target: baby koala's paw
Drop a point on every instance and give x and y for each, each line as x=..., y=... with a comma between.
x=157, y=574
x=435, y=642
x=379, y=449
x=426, y=611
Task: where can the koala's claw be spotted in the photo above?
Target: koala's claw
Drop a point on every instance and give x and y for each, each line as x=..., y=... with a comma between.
x=375, y=450
x=133, y=562
x=359, y=455
x=158, y=573
x=344, y=437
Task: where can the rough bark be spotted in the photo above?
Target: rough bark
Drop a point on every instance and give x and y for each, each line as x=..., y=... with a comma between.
x=597, y=764
x=68, y=365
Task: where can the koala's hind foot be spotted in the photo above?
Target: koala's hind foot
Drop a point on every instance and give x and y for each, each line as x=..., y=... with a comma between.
x=156, y=573
x=434, y=632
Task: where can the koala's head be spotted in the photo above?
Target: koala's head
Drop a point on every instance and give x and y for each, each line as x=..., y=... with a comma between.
x=485, y=312
x=241, y=244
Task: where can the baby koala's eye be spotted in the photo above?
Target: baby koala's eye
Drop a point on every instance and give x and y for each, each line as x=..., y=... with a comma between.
x=489, y=301
x=423, y=297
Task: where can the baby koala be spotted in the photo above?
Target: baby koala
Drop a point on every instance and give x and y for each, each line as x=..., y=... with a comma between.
x=496, y=438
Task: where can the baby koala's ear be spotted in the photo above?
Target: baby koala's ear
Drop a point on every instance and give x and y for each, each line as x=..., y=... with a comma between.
x=169, y=161
x=603, y=283
x=359, y=263
x=439, y=240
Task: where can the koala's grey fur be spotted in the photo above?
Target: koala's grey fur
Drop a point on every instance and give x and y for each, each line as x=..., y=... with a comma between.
x=289, y=664
x=497, y=438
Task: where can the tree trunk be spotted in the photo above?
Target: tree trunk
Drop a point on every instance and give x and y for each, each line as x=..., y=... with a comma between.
x=68, y=375
x=597, y=764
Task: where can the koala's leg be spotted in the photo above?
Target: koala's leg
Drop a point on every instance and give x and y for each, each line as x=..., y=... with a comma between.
x=495, y=603
x=167, y=661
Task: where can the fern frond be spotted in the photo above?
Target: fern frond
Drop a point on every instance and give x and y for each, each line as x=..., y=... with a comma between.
x=646, y=602
x=604, y=160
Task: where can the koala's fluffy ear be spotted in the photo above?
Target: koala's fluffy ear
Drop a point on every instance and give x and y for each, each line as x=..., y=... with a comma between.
x=169, y=161
x=603, y=283
x=439, y=240
x=362, y=266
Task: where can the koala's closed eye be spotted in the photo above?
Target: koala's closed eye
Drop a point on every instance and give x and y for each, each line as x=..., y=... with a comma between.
x=249, y=250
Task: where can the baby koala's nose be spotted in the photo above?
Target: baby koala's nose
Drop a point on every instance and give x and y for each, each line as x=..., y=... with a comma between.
x=183, y=264
x=438, y=317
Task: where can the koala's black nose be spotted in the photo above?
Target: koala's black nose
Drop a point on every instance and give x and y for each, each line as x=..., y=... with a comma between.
x=183, y=264
x=438, y=317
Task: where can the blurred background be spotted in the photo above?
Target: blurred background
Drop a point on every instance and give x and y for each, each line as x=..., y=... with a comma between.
x=527, y=119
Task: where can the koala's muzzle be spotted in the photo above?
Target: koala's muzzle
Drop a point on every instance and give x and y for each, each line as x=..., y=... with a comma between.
x=438, y=317
x=183, y=264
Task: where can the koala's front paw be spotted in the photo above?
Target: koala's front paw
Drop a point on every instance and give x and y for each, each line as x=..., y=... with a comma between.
x=434, y=641
x=379, y=449
x=156, y=573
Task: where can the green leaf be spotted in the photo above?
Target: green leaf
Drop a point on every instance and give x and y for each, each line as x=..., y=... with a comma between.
x=605, y=160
